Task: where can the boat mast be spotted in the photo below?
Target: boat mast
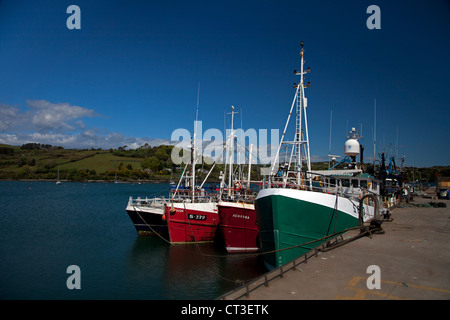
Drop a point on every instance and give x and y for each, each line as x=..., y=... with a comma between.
x=194, y=156
x=249, y=165
x=231, y=149
x=374, y=130
x=193, y=169
x=300, y=102
x=300, y=134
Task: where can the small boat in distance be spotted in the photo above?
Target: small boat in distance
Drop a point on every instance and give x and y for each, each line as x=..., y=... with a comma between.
x=58, y=181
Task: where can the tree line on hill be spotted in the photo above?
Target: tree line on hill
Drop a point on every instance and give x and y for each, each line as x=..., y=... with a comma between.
x=40, y=161
x=42, y=146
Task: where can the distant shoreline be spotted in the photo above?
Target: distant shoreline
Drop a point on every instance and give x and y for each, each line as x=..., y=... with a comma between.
x=87, y=181
x=94, y=181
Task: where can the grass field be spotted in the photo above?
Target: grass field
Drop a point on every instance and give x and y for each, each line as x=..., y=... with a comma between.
x=102, y=161
x=19, y=163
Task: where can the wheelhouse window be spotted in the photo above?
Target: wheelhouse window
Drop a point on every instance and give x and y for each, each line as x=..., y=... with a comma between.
x=363, y=183
x=332, y=182
x=345, y=182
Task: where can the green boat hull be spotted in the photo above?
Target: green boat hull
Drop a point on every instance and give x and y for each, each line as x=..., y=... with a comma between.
x=290, y=218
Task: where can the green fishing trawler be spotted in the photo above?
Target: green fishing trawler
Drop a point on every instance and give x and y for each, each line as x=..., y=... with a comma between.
x=299, y=209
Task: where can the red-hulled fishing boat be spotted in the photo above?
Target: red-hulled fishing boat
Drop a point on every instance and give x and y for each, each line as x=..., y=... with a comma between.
x=192, y=222
x=238, y=225
x=236, y=208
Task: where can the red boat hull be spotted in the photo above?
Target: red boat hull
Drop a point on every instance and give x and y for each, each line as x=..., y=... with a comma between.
x=192, y=222
x=239, y=228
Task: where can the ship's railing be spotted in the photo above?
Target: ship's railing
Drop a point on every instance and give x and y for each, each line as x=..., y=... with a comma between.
x=245, y=195
x=189, y=195
x=350, y=186
x=147, y=201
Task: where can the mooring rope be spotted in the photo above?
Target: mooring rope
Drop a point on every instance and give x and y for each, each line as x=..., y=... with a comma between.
x=244, y=255
x=238, y=255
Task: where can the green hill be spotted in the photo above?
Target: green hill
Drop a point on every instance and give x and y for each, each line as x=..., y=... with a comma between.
x=40, y=161
x=37, y=161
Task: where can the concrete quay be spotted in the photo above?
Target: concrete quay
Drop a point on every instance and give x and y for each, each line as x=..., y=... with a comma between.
x=413, y=257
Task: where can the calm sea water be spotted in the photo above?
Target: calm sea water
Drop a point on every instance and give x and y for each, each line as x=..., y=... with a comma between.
x=44, y=228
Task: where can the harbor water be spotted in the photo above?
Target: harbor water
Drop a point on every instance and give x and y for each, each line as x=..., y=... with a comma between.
x=45, y=228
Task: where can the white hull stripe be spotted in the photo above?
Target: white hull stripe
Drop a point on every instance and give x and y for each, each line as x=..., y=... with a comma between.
x=242, y=249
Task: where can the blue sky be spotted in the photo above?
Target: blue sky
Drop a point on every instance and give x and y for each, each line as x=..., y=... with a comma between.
x=131, y=74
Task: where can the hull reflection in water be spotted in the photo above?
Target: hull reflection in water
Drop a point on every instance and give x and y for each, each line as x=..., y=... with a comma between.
x=187, y=271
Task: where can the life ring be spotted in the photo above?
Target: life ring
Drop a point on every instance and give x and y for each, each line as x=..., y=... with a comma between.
x=237, y=186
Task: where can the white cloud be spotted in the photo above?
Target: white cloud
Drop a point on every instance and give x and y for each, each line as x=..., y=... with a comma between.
x=60, y=124
x=57, y=116
x=8, y=116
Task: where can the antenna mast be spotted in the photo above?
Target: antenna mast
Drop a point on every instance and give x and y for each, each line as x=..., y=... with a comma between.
x=301, y=111
x=194, y=155
x=301, y=133
x=231, y=150
x=374, y=130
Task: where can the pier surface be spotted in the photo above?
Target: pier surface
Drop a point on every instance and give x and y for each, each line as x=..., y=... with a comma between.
x=413, y=257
